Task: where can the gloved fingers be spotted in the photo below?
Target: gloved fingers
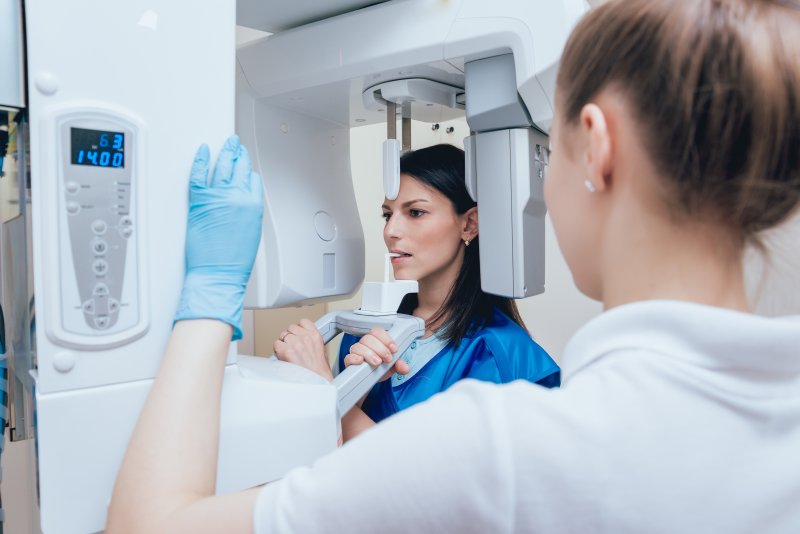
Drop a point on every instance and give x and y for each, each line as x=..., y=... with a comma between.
x=198, y=177
x=242, y=169
x=223, y=170
x=256, y=187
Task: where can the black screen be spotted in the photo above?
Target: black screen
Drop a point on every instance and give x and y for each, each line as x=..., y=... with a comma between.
x=98, y=148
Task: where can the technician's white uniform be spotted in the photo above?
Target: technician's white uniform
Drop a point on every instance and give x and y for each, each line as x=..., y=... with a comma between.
x=674, y=418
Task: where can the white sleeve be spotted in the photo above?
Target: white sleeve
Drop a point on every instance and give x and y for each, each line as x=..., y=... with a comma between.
x=443, y=465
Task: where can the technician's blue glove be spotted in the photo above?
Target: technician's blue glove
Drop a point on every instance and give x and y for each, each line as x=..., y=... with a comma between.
x=222, y=235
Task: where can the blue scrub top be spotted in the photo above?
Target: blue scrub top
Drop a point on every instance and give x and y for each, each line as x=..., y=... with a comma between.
x=500, y=352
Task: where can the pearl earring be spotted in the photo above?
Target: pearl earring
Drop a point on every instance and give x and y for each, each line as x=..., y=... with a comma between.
x=466, y=242
x=590, y=186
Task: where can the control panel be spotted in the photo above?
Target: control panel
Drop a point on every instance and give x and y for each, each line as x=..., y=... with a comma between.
x=98, y=231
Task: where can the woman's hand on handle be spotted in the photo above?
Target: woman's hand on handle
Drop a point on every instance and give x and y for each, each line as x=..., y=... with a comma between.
x=376, y=348
x=302, y=345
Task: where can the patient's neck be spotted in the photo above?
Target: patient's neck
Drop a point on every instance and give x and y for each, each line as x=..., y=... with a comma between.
x=433, y=292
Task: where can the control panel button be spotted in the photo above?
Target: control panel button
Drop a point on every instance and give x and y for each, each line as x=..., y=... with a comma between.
x=113, y=305
x=73, y=208
x=99, y=227
x=100, y=267
x=101, y=322
x=125, y=222
x=72, y=187
x=99, y=247
x=64, y=361
x=100, y=290
x=126, y=232
x=88, y=306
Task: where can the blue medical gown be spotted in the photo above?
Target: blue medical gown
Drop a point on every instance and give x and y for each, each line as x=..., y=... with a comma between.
x=500, y=352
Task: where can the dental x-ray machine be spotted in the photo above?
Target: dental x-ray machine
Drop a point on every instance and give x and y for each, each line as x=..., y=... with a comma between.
x=107, y=103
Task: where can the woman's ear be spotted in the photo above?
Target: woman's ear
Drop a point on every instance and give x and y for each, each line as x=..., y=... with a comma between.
x=598, y=157
x=469, y=230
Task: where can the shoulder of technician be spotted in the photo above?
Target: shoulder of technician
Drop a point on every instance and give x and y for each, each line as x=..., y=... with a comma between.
x=502, y=351
x=446, y=465
x=663, y=404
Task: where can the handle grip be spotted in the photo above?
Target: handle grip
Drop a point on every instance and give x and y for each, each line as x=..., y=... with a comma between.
x=356, y=381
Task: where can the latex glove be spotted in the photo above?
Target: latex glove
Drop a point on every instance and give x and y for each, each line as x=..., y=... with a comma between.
x=222, y=235
x=302, y=345
x=376, y=348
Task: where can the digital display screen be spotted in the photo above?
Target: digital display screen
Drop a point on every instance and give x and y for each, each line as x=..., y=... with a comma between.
x=98, y=148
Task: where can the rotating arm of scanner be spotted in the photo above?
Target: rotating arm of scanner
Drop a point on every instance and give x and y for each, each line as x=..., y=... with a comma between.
x=357, y=380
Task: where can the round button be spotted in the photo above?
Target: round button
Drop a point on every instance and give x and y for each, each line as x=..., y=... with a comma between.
x=413, y=344
x=126, y=232
x=125, y=221
x=99, y=226
x=100, y=290
x=113, y=305
x=88, y=307
x=101, y=322
x=46, y=83
x=325, y=226
x=63, y=362
x=99, y=247
x=100, y=267
x=73, y=208
x=72, y=187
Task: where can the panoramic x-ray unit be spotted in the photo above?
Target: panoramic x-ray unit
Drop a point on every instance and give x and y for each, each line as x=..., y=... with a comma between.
x=102, y=106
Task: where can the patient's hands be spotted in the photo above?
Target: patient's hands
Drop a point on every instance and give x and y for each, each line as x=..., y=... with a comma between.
x=376, y=348
x=302, y=344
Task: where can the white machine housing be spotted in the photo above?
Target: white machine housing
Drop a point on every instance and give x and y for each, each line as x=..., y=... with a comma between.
x=166, y=73
x=114, y=68
x=299, y=91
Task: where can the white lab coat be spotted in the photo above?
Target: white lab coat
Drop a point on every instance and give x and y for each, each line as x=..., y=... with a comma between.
x=673, y=417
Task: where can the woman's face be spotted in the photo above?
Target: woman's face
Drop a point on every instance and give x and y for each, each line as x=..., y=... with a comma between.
x=423, y=227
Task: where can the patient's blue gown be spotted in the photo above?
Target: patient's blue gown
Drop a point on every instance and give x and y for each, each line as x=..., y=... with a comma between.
x=501, y=351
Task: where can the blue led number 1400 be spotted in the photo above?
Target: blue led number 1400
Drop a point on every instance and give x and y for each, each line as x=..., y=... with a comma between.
x=97, y=148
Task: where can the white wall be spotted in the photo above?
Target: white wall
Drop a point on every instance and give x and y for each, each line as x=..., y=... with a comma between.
x=773, y=280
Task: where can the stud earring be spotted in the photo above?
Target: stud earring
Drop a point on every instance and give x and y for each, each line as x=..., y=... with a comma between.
x=590, y=186
x=466, y=242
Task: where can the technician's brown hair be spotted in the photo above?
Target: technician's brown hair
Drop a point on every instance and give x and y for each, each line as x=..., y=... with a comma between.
x=715, y=87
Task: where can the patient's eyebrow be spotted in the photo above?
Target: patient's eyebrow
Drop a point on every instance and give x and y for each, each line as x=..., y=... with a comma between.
x=408, y=203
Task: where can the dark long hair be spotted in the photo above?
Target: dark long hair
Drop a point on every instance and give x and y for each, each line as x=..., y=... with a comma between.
x=467, y=308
